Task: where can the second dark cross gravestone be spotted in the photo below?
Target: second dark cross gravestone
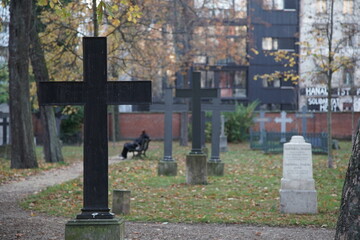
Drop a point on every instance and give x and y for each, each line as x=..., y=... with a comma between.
x=5, y=126
x=196, y=94
x=196, y=164
x=167, y=166
x=215, y=166
x=304, y=115
x=283, y=120
x=95, y=93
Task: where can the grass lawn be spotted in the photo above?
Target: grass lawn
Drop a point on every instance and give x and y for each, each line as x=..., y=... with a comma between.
x=248, y=193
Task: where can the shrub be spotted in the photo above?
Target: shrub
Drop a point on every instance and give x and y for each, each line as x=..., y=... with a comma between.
x=71, y=126
x=238, y=123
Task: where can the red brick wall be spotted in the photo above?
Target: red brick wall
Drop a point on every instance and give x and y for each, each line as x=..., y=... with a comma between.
x=131, y=124
x=342, y=124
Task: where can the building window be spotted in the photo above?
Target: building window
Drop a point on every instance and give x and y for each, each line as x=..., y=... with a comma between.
x=223, y=8
x=320, y=31
x=289, y=4
x=271, y=82
x=207, y=79
x=321, y=6
x=348, y=7
x=348, y=76
x=269, y=43
x=349, y=34
x=321, y=77
x=233, y=83
x=273, y=4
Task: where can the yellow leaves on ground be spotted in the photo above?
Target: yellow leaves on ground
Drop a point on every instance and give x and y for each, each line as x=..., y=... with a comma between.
x=248, y=193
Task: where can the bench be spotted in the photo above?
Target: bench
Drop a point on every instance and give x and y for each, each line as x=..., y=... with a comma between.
x=141, y=150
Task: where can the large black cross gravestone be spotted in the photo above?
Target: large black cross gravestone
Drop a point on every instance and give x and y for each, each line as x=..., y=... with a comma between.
x=196, y=94
x=95, y=93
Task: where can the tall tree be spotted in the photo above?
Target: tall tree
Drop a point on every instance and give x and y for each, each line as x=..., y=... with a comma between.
x=348, y=225
x=328, y=51
x=51, y=143
x=22, y=136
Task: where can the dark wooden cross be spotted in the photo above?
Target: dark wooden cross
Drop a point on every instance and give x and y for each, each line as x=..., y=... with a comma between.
x=196, y=94
x=95, y=93
x=304, y=115
x=5, y=125
x=216, y=107
x=168, y=108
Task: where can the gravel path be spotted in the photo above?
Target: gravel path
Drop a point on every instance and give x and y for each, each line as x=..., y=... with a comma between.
x=15, y=223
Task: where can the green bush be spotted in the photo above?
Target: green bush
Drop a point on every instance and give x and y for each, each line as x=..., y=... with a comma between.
x=238, y=123
x=71, y=126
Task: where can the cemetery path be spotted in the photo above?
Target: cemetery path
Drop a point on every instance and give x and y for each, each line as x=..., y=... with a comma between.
x=16, y=223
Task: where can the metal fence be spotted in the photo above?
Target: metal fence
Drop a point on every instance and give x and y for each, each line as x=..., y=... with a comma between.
x=272, y=142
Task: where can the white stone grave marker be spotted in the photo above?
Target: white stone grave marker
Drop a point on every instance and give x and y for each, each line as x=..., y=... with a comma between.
x=297, y=193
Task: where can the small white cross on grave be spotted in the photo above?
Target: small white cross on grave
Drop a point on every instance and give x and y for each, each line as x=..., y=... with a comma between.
x=283, y=120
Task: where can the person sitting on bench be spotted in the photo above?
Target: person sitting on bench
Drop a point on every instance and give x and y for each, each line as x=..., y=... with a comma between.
x=131, y=146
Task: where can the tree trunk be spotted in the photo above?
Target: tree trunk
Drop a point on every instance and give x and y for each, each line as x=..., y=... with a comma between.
x=348, y=225
x=22, y=136
x=183, y=24
x=52, y=145
x=330, y=161
x=330, y=72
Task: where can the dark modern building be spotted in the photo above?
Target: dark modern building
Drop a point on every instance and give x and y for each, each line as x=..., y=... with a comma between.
x=257, y=28
x=273, y=26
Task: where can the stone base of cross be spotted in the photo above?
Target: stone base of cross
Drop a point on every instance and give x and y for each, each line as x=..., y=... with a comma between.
x=196, y=169
x=167, y=168
x=93, y=229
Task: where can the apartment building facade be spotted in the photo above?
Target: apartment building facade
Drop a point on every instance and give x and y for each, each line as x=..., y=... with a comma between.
x=320, y=34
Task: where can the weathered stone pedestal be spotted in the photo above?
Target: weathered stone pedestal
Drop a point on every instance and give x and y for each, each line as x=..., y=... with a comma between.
x=196, y=169
x=297, y=193
x=95, y=229
x=215, y=168
x=167, y=168
x=121, y=201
